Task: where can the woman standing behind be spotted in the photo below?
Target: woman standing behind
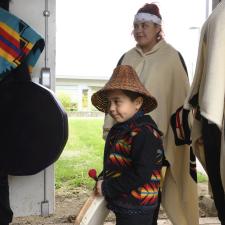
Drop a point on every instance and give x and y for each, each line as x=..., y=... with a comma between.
x=162, y=70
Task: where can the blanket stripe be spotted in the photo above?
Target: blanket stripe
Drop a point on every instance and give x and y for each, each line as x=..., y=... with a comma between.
x=18, y=43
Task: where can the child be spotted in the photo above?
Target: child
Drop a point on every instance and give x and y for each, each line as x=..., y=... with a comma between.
x=133, y=149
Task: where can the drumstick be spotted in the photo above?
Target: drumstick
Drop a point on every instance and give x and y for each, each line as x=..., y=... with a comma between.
x=93, y=174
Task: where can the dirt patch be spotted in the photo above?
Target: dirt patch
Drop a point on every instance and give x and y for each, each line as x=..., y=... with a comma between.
x=69, y=202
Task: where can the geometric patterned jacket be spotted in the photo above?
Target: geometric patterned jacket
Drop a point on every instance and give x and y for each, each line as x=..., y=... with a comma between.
x=133, y=159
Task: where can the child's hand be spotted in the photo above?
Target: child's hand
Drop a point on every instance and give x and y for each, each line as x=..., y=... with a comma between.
x=99, y=187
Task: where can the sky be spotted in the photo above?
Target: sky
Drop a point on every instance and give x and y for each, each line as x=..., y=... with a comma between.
x=92, y=35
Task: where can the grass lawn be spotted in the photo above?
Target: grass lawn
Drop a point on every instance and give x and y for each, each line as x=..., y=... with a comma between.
x=201, y=177
x=84, y=150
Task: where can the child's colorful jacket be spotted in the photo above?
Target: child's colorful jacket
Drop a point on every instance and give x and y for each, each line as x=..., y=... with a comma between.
x=132, y=165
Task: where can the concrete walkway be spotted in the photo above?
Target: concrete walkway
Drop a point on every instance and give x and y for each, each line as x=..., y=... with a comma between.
x=202, y=221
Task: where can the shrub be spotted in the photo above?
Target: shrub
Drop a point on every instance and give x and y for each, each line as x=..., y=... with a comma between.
x=64, y=99
x=73, y=107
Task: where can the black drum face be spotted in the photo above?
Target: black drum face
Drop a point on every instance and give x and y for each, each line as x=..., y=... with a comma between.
x=34, y=128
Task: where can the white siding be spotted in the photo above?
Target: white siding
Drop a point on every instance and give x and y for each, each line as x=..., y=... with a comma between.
x=27, y=193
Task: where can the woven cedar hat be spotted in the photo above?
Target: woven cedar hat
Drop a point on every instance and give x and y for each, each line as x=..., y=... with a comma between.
x=124, y=77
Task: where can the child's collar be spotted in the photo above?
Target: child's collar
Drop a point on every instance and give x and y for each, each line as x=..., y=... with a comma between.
x=127, y=123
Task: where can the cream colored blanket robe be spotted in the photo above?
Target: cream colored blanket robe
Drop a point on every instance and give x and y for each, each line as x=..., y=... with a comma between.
x=162, y=73
x=209, y=81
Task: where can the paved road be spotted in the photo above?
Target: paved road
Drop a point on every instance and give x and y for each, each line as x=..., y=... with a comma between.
x=203, y=221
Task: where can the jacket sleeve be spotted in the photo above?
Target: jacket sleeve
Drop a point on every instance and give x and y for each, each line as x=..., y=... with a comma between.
x=146, y=156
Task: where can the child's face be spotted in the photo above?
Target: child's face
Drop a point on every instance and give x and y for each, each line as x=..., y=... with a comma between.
x=121, y=107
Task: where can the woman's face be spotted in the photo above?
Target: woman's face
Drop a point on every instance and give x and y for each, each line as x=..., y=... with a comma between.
x=145, y=34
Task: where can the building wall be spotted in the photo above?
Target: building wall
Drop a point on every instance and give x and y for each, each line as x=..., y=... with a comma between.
x=27, y=192
x=79, y=94
x=76, y=87
x=31, y=11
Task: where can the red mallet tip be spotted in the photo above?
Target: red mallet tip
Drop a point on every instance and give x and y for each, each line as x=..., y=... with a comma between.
x=93, y=174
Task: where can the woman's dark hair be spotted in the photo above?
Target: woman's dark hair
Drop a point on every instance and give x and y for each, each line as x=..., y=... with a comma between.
x=150, y=8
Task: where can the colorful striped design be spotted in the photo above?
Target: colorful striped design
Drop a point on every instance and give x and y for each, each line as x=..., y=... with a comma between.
x=147, y=194
x=116, y=175
x=10, y=42
x=15, y=37
x=123, y=146
x=112, y=173
x=18, y=43
x=118, y=159
x=9, y=48
x=7, y=57
x=156, y=176
x=10, y=31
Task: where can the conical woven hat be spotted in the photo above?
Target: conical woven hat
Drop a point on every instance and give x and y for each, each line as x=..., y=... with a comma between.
x=124, y=77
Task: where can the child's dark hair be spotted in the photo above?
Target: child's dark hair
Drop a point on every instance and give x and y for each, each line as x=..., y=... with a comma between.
x=132, y=95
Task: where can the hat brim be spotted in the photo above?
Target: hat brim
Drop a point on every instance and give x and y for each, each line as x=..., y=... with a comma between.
x=100, y=99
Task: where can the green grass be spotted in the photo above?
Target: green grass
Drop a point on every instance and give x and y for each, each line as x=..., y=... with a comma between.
x=201, y=177
x=84, y=150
